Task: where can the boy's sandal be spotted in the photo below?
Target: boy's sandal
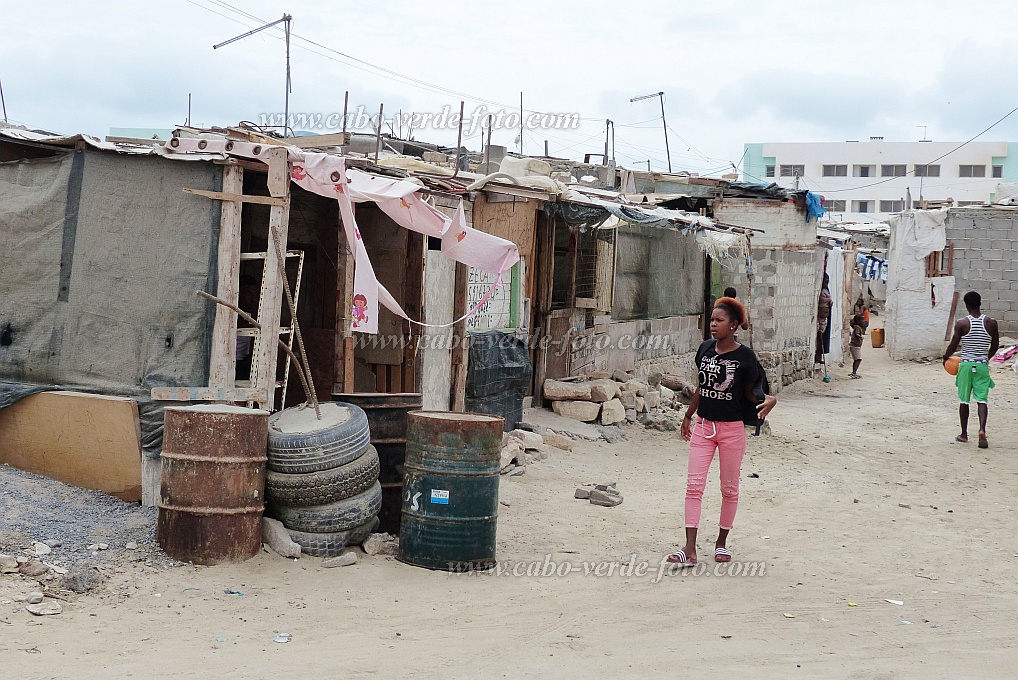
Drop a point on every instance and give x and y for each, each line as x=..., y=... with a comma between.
x=722, y=555
x=679, y=557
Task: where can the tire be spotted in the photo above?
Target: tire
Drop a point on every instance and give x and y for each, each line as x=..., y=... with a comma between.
x=326, y=486
x=332, y=544
x=333, y=517
x=303, y=453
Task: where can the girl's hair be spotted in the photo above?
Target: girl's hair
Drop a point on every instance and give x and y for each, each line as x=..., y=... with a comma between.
x=735, y=311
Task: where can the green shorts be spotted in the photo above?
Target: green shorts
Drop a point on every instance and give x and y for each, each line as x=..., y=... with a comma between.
x=973, y=379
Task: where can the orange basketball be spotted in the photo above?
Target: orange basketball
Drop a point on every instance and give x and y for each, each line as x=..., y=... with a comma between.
x=952, y=364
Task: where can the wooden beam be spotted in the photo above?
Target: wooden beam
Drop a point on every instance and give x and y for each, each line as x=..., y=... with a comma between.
x=235, y=196
x=460, y=354
x=222, y=362
x=343, y=366
x=266, y=347
x=208, y=394
x=316, y=141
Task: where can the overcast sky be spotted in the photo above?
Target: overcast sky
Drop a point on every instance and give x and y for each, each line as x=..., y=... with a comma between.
x=732, y=72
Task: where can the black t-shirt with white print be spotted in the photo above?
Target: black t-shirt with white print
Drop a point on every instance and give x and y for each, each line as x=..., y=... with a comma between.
x=723, y=379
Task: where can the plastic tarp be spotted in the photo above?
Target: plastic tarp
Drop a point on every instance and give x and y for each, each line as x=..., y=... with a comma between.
x=100, y=258
x=498, y=376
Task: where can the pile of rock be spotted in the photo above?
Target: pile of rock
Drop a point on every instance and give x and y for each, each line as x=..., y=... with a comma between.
x=609, y=399
x=521, y=448
x=605, y=495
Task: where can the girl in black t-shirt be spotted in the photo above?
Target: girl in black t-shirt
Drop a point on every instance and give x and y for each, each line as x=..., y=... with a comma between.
x=727, y=373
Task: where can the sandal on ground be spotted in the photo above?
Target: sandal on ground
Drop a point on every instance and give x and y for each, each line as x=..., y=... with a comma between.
x=983, y=444
x=854, y=376
x=962, y=438
x=722, y=555
x=679, y=557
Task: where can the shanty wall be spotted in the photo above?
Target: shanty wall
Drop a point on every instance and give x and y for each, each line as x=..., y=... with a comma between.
x=100, y=258
x=984, y=260
x=658, y=273
x=783, y=300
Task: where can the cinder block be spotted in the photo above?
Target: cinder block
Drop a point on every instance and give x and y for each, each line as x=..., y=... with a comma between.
x=993, y=254
x=1001, y=244
x=1010, y=315
x=999, y=264
x=1009, y=275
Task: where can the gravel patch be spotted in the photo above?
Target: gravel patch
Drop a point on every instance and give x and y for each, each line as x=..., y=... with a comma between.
x=74, y=522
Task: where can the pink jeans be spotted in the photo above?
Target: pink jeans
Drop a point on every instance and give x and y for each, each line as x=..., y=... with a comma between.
x=729, y=440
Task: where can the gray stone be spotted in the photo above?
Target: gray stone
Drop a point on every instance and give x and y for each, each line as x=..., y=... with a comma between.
x=513, y=452
x=544, y=421
x=82, y=577
x=45, y=608
x=41, y=549
x=581, y=493
x=8, y=564
x=612, y=434
x=558, y=441
x=529, y=440
x=344, y=560
x=637, y=386
x=612, y=412
x=654, y=377
x=607, y=499
x=606, y=487
x=508, y=468
x=53, y=543
x=652, y=399
x=507, y=503
x=667, y=396
x=584, y=411
x=557, y=390
x=379, y=544
x=641, y=404
x=33, y=568
x=278, y=538
x=518, y=472
x=631, y=415
x=621, y=376
x=628, y=398
x=34, y=597
x=603, y=390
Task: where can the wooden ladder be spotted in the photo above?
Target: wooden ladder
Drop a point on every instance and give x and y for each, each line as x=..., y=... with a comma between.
x=223, y=386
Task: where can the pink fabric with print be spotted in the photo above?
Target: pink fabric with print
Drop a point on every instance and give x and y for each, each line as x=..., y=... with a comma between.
x=728, y=439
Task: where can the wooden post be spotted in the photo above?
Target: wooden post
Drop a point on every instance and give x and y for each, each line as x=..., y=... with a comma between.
x=266, y=346
x=414, y=306
x=343, y=369
x=222, y=362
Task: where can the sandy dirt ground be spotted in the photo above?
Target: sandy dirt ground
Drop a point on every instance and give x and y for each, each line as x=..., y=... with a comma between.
x=860, y=496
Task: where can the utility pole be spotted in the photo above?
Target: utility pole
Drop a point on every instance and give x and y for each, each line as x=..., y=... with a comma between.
x=285, y=20
x=3, y=101
x=664, y=121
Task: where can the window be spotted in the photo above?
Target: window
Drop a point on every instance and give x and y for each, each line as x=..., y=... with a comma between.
x=835, y=171
x=793, y=170
x=892, y=170
x=834, y=206
x=861, y=206
x=769, y=171
x=997, y=171
x=891, y=206
x=927, y=171
x=864, y=171
x=972, y=171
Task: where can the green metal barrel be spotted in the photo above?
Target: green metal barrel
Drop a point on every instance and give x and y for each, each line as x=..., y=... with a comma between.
x=450, y=490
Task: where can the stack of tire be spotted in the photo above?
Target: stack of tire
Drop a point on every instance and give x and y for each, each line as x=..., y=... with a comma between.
x=322, y=477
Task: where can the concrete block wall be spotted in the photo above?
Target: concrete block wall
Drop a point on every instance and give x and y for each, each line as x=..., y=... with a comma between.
x=670, y=343
x=984, y=260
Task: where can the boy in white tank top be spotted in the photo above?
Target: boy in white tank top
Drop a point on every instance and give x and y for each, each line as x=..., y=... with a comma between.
x=979, y=339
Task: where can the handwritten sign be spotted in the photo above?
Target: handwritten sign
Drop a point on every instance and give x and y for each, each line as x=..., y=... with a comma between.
x=496, y=312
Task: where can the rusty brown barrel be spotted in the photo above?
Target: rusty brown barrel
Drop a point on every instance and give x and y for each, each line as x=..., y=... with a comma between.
x=450, y=498
x=387, y=420
x=213, y=483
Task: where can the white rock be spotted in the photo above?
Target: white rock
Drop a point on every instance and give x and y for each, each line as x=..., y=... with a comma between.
x=613, y=412
x=557, y=390
x=652, y=399
x=511, y=452
x=529, y=440
x=667, y=395
x=379, y=544
x=585, y=411
x=637, y=386
x=278, y=538
x=603, y=390
x=92, y=547
x=641, y=404
x=344, y=560
x=131, y=545
x=45, y=608
x=41, y=549
x=104, y=546
x=34, y=597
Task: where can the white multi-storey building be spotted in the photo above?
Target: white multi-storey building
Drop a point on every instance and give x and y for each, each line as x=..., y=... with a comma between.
x=868, y=180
